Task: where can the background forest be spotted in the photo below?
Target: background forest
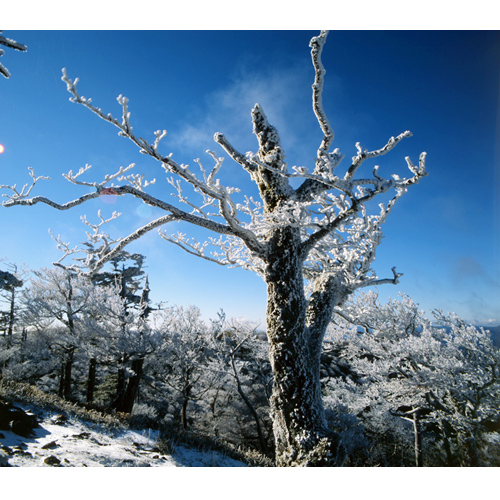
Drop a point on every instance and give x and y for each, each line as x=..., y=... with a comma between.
x=400, y=389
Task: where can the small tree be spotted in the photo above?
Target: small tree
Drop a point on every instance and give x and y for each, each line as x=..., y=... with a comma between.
x=126, y=272
x=29, y=357
x=57, y=297
x=186, y=348
x=10, y=282
x=124, y=277
x=129, y=341
x=243, y=358
x=313, y=245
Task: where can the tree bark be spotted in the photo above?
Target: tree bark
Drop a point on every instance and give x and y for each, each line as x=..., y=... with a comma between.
x=127, y=389
x=61, y=381
x=12, y=311
x=68, y=367
x=91, y=380
x=65, y=380
x=186, y=394
x=132, y=386
x=418, y=441
x=120, y=387
x=300, y=431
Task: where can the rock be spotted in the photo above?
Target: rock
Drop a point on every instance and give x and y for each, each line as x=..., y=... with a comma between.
x=4, y=459
x=82, y=435
x=18, y=450
x=23, y=426
x=52, y=461
x=6, y=449
x=16, y=419
x=50, y=446
x=59, y=419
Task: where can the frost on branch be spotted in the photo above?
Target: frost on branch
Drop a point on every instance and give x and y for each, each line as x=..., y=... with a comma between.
x=13, y=45
x=16, y=196
x=98, y=247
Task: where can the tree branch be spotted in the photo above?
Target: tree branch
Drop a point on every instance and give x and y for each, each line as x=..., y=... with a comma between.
x=385, y=281
x=12, y=44
x=364, y=154
x=234, y=154
x=106, y=254
x=208, y=187
x=317, y=44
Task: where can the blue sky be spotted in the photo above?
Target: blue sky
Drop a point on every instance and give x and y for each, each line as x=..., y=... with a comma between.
x=442, y=85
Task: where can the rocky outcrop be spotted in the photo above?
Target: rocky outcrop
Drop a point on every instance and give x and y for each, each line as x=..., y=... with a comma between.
x=16, y=419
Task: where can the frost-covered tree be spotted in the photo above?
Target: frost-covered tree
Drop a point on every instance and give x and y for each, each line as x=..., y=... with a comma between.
x=181, y=362
x=59, y=298
x=119, y=336
x=313, y=244
x=12, y=44
x=30, y=358
x=126, y=271
x=10, y=284
x=123, y=277
x=242, y=356
x=442, y=377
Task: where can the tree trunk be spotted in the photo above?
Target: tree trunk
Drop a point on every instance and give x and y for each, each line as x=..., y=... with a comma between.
x=12, y=311
x=120, y=387
x=65, y=377
x=127, y=389
x=91, y=380
x=418, y=441
x=68, y=367
x=61, y=381
x=132, y=386
x=186, y=394
x=300, y=431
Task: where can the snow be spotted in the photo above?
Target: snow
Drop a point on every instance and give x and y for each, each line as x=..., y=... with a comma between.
x=77, y=444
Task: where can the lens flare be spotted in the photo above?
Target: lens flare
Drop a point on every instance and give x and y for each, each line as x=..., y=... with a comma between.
x=2, y=149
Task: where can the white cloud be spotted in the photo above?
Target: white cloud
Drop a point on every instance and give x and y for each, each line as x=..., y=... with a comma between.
x=285, y=95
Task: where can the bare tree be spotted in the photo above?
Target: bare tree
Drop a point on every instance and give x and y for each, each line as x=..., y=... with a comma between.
x=313, y=245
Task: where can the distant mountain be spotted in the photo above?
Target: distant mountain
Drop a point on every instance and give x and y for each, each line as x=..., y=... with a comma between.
x=494, y=331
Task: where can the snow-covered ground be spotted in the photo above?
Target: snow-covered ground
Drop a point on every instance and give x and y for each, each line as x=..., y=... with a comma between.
x=73, y=443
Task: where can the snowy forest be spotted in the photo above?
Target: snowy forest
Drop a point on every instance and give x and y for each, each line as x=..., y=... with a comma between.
x=336, y=378
x=401, y=390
